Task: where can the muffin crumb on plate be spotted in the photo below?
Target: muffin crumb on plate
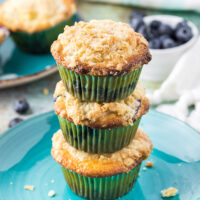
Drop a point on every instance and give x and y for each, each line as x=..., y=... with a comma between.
x=149, y=164
x=51, y=193
x=29, y=187
x=170, y=192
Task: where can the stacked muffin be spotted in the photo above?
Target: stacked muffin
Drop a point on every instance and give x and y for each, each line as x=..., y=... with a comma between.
x=99, y=104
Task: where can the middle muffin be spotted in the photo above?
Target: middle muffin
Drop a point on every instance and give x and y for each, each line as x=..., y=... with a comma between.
x=99, y=127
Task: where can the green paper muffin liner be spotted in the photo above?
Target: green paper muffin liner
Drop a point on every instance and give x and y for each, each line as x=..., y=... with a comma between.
x=40, y=42
x=101, y=188
x=97, y=140
x=99, y=88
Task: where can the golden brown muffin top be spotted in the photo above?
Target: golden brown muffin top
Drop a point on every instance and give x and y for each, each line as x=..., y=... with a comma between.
x=101, y=165
x=101, y=48
x=101, y=115
x=34, y=15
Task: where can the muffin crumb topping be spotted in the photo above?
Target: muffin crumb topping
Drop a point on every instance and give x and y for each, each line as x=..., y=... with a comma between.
x=100, y=48
x=103, y=115
x=35, y=15
x=101, y=164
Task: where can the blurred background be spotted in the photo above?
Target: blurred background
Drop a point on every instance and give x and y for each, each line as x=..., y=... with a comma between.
x=27, y=80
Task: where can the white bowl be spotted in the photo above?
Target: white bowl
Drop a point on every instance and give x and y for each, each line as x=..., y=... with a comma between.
x=163, y=60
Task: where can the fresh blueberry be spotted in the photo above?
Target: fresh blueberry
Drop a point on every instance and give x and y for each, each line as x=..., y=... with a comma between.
x=14, y=122
x=136, y=23
x=155, y=24
x=181, y=24
x=167, y=43
x=183, y=34
x=165, y=29
x=142, y=30
x=163, y=37
x=137, y=14
x=21, y=106
x=151, y=33
x=155, y=43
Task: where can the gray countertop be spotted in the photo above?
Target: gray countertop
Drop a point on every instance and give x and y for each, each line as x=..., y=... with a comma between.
x=33, y=93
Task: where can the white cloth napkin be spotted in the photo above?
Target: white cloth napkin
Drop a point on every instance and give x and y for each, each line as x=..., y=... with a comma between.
x=183, y=85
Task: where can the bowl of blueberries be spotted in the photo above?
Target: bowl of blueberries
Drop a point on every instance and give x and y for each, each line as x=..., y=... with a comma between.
x=169, y=37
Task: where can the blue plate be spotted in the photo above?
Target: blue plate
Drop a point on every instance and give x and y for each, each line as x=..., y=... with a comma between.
x=18, y=67
x=25, y=160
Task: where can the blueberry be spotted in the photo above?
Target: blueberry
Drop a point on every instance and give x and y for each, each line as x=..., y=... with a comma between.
x=155, y=24
x=151, y=34
x=184, y=33
x=137, y=14
x=181, y=24
x=165, y=29
x=136, y=23
x=163, y=37
x=167, y=43
x=14, y=122
x=155, y=43
x=21, y=106
x=142, y=30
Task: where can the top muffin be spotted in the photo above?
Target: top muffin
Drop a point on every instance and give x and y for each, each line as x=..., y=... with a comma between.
x=34, y=15
x=101, y=48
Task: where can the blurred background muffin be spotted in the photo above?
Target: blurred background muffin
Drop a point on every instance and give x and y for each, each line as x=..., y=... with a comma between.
x=35, y=24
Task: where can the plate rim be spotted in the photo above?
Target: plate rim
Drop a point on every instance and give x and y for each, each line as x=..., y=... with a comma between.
x=28, y=78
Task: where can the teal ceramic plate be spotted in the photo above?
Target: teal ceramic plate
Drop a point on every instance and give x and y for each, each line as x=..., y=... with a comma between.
x=17, y=67
x=25, y=160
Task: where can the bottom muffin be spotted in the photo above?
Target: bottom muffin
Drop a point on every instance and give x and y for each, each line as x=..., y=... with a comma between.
x=101, y=176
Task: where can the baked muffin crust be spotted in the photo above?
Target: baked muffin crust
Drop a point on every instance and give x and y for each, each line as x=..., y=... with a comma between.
x=101, y=48
x=101, y=165
x=101, y=115
x=34, y=15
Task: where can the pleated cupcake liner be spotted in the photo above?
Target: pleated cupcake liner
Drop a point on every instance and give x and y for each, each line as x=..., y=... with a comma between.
x=99, y=88
x=97, y=140
x=40, y=42
x=101, y=188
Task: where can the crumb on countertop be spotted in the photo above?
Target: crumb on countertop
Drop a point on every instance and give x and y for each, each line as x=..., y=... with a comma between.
x=180, y=164
x=170, y=192
x=52, y=181
x=149, y=164
x=29, y=187
x=51, y=193
x=11, y=183
x=144, y=168
x=45, y=91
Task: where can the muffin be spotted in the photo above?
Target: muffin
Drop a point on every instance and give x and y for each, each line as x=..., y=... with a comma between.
x=104, y=176
x=100, y=60
x=35, y=24
x=99, y=127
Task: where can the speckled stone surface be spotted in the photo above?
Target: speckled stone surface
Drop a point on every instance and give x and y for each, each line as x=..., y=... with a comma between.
x=33, y=93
